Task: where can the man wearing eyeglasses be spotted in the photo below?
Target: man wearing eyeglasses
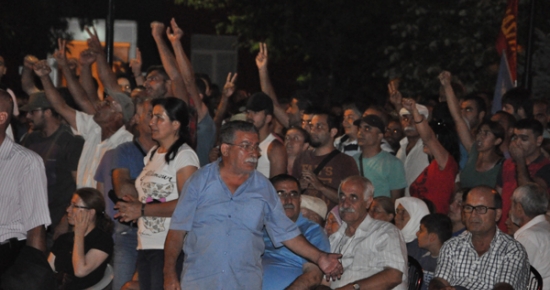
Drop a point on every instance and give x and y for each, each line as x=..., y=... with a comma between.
x=483, y=257
x=283, y=268
x=221, y=214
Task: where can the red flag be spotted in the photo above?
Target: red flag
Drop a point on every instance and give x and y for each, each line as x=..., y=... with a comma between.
x=507, y=37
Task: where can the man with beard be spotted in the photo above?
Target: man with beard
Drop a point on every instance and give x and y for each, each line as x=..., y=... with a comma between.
x=282, y=268
x=529, y=204
x=411, y=152
x=60, y=151
x=259, y=111
x=320, y=170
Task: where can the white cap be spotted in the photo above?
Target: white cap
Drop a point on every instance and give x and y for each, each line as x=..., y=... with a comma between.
x=314, y=204
x=421, y=109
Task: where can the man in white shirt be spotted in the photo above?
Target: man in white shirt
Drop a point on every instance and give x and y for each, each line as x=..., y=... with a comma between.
x=374, y=252
x=529, y=204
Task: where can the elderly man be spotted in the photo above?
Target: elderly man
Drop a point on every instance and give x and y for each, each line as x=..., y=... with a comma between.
x=221, y=214
x=283, y=268
x=374, y=252
x=529, y=204
x=483, y=257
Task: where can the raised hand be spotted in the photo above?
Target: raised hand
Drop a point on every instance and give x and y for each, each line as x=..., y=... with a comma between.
x=93, y=42
x=87, y=57
x=229, y=87
x=445, y=78
x=41, y=68
x=157, y=29
x=177, y=33
x=59, y=53
x=395, y=96
x=262, y=57
x=409, y=104
x=29, y=61
x=135, y=63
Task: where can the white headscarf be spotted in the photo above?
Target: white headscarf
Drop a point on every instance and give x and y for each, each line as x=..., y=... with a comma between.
x=417, y=209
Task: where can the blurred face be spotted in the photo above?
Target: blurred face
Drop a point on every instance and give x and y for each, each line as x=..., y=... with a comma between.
x=242, y=155
x=455, y=209
x=350, y=116
x=107, y=111
x=294, y=143
x=512, y=228
x=423, y=237
x=514, y=214
x=486, y=140
x=478, y=223
x=407, y=123
x=289, y=193
x=124, y=85
x=368, y=136
x=509, y=109
x=36, y=118
x=470, y=112
x=377, y=212
x=402, y=217
x=138, y=93
x=353, y=206
x=293, y=113
x=162, y=128
x=320, y=132
x=394, y=133
x=331, y=226
x=76, y=205
x=155, y=85
x=2, y=67
x=539, y=112
x=306, y=122
x=256, y=118
x=503, y=121
x=142, y=118
x=526, y=140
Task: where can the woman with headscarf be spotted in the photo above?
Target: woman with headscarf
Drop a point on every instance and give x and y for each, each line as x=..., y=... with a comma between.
x=333, y=221
x=408, y=213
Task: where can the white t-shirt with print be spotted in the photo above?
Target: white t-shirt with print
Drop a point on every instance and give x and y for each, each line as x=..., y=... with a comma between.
x=158, y=181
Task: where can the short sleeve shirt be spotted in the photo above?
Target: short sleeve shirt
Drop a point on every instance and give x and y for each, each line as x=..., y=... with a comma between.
x=384, y=170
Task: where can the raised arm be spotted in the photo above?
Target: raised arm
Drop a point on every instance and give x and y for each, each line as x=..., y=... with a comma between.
x=27, y=80
x=461, y=127
x=395, y=96
x=42, y=70
x=265, y=82
x=76, y=90
x=228, y=90
x=135, y=64
x=106, y=75
x=87, y=58
x=427, y=134
x=169, y=63
x=185, y=68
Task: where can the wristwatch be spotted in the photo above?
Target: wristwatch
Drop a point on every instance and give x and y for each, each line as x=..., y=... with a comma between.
x=356, y=286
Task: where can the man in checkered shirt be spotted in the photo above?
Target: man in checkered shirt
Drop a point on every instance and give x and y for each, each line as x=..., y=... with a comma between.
x=483, y=257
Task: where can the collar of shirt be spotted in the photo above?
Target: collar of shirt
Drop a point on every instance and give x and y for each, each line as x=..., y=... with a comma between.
x=495, y=242
x=538, y=219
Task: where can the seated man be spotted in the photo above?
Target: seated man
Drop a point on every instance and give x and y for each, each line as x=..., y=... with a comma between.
x=529, y=204
x=435, y=229
x=483, y=257
x=374, y=252
x=283, y=268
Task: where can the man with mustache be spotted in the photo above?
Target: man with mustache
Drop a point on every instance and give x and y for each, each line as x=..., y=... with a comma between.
x=483, y=257
x=282, y=268
x=221, y=215
x=374, y=252
x=412, y=148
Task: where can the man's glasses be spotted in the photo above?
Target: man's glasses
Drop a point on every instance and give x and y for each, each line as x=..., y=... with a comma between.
x=247, y=147
x=78, y=206
x=480, y=209
x=292, y=194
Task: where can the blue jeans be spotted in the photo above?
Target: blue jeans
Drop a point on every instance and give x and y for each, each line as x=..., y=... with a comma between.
x=150, y=267
x=125, y=254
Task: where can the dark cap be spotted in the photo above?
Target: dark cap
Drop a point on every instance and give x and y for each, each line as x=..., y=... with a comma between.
x=260, y=102
x=373, y=121
x=37, y=100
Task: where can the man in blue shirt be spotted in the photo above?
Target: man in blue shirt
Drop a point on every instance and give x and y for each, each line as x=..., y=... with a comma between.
x=283, y=268
x=221, y=213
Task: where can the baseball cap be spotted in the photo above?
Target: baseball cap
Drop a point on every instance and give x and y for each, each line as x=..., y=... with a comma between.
x=260, y=102
x=372, y=120
x=126, y=104
x=37, y=100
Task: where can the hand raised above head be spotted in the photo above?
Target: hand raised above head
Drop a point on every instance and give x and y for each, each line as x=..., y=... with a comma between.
x=229, y=87
x=445, y=78
x=409, y=104
x=93, y=42
x=135, y=63
x=87, y=57
x=157, y=29
x=176, y=33
x=395, y=95
x=262, y=57
x=60, y=53
x=41, y=68
x=29, y=61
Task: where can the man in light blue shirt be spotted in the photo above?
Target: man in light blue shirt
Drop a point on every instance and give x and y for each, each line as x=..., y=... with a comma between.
x=283, y=268
x=221, y=213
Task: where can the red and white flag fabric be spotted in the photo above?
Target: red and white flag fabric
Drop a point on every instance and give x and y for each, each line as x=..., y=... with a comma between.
x=507, y=37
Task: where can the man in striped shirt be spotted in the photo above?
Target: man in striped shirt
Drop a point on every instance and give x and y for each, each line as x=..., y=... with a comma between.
x=23, y=194
x=483, y=257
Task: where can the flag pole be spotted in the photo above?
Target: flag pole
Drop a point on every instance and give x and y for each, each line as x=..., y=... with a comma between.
x=527, y=80
x=109, y=32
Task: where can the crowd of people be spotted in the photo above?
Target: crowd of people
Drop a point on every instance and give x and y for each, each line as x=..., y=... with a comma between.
x=167, y=181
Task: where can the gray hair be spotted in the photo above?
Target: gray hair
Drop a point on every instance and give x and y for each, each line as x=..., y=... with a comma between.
x=368, y=188
x=229, y=129
x=533, y=198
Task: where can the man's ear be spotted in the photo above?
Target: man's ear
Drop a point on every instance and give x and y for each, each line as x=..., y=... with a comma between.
x=224, y=149
x=268, y=118
x=498, y=214
x=539, y=140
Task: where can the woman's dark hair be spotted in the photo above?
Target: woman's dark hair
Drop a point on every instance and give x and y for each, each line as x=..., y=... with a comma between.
x=444, y=129
x=497, y=130
x=93, y=198
x=176, y=110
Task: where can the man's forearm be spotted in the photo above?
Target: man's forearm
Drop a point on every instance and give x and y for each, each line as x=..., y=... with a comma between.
x=36, y=238
x=303, y=248
x=87, y=81
x=330, y=193
x=77, y=91
x=27, y=81
x=172, y=248
x=522, y=173
x=311, y=277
